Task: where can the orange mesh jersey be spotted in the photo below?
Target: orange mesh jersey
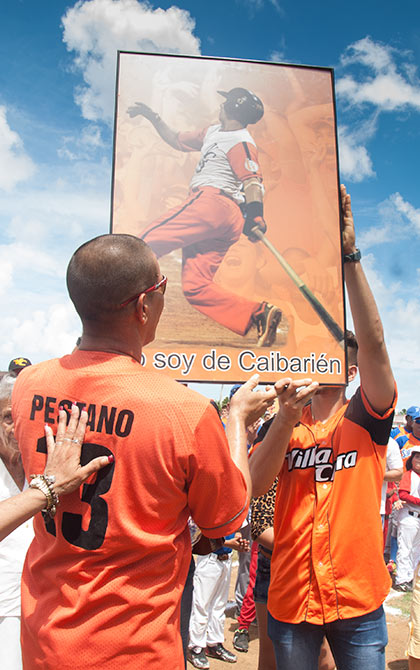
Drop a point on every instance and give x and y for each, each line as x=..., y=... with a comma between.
x=327, y=562
x=102, y=581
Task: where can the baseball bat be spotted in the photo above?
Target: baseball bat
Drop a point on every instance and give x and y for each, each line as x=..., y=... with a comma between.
x=319, y=308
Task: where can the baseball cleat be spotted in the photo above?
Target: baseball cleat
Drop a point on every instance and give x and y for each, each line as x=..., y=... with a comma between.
x=267, y=318
x=241, y=640
x=405, y=587
x=218, y=651
x=197, y=657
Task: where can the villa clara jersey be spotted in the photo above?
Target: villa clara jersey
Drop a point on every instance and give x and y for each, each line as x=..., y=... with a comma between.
x=327, y=562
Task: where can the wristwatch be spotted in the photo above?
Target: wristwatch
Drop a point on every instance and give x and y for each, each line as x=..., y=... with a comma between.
x=354, y=257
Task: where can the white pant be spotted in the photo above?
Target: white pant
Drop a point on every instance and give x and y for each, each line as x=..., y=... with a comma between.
x=408, y=546
x=210, y=595
x=10, y=651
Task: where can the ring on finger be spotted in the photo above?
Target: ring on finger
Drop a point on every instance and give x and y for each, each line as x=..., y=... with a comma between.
x=69, y=439
x=76, y=440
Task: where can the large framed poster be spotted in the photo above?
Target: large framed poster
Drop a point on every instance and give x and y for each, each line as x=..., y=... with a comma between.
x=228, y=170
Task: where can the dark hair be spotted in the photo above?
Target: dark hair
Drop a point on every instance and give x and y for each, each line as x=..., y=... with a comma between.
x=107, y=270
x=409, y=461
x=352, y=347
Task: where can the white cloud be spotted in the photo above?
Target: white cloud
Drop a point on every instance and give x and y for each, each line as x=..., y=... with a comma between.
x=376, y=235
x=83, y=146
x=45, y=333
x=386, y=84
x=411, y=214
x=355, y=161
x=39, y=232
x=372, y=54
x=57, y=216
x=96, y=29
x=398, y=220
x=278, y=55
x=378, y=75
x=15, y=164
x=6, y=275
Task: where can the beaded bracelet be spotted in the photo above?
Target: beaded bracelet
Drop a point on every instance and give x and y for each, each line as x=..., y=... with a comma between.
x=44, y=483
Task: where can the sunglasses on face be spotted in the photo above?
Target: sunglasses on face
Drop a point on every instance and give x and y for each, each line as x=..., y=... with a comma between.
x=160, y=285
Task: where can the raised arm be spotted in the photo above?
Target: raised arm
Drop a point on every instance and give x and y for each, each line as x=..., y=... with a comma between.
x=166, y=133
x=266, y=461
x=254, y=208
x=246, y=406
x=376, y=375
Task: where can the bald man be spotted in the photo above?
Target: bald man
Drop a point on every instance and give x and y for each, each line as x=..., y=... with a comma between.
x=103, y=578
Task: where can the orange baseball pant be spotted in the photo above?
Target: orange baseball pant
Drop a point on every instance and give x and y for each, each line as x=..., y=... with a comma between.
x=204, y=226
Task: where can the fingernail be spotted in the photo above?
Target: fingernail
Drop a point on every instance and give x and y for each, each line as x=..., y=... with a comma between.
x=61, y=408
x=46, y=425
x=74, y=404
x=111, y=458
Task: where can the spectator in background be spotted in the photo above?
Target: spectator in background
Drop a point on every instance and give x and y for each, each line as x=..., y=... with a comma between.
x=244, y=557
x=393, y=471
x=13, y=548
x=403, y=431
x=210, y=595
x=248, y=612
x=410, y=439
x=16, y=365
x=408, y=554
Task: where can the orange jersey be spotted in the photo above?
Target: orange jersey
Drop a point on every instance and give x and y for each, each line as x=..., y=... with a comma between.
x=327, y=513
x=102, y=581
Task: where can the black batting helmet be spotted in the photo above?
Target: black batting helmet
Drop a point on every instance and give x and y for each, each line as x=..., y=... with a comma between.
x=242, y=105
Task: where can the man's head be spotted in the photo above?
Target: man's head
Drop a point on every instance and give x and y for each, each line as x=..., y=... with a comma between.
x=352, y=349
x=412, y=411
x=413, y=461
x=8, y=442
x=107, y=278
x=415, y=421
x=242, y=105
x=17, y=364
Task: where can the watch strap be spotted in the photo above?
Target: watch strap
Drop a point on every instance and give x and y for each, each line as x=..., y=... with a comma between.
x=354, y=257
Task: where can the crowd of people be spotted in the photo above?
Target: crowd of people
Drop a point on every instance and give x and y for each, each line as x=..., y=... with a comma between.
x=142, y=472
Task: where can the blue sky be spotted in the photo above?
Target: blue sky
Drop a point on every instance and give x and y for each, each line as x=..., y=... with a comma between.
x=56, y=106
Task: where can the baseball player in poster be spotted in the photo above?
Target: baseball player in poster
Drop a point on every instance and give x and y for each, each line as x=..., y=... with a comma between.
x=225, y=199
